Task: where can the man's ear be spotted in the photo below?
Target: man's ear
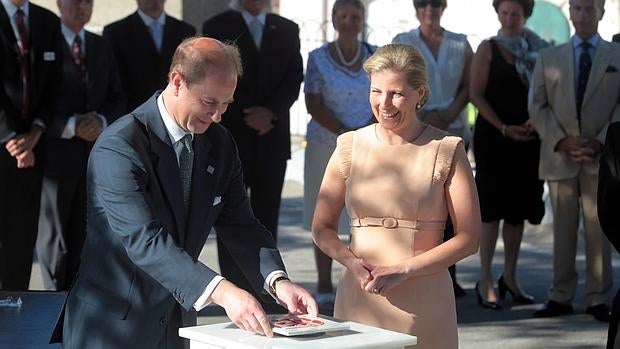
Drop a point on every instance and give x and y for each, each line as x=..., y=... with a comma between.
x=175, y=79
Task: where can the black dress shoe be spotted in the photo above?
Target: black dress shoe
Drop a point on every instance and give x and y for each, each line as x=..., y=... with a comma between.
x=458, y=290
x=521, y=298
x=485, y=303
x=552, y=308
x=600, y=312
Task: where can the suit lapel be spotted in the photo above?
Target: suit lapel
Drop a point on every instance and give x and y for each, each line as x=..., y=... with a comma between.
x=269, y=50
x=165, y=162
x=599, y=64
x=92, y=64
x=569, y=90
x=142, y=33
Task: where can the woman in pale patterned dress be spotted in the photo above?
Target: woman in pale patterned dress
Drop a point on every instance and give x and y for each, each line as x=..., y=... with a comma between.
x=336, y=91
x=399, y=178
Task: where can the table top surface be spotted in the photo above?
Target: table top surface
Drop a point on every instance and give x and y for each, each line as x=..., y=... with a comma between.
x=31, y=324
x=227, y=335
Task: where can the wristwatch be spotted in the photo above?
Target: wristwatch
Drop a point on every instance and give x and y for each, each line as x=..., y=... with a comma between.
x=272, y=287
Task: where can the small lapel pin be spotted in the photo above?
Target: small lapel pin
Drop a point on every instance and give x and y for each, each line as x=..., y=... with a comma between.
x=210, y=169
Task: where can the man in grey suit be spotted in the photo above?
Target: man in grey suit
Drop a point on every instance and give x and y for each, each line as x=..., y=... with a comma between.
x=576, y=94
x=158, y=180
x=88, y=97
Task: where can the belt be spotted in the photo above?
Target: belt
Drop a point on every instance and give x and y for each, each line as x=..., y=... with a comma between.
x=392, y=223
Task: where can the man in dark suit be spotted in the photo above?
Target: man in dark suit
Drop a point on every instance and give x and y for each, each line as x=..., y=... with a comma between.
x=88, y=97
x=158, y=180
x=28, y=70
x=608, y=202
x=259, y=116
x=143, y=44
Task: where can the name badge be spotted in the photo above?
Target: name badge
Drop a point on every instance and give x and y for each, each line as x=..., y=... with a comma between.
x=49, y=56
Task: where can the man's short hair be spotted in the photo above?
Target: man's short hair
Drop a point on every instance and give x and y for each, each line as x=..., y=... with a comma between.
x=195, y=63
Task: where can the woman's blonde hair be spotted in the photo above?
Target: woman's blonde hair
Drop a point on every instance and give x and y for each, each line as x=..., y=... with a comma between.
x=404, y=59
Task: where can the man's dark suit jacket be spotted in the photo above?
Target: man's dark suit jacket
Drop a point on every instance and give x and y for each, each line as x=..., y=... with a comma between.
x=143, y=69
x=608, y=202
x=102, y=92
x=140, y=259
x=43, y=30
x=20, y=189
x=271, y=78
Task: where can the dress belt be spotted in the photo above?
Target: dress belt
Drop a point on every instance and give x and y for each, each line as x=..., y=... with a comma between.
x=392, y=223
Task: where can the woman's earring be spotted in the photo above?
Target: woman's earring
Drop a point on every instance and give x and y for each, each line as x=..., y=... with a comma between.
x=418, y=106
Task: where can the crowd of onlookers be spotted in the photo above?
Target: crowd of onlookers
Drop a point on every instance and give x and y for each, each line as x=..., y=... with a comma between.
x=543, y=115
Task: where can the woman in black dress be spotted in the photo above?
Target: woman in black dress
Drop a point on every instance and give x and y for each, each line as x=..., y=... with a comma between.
x=506, y=148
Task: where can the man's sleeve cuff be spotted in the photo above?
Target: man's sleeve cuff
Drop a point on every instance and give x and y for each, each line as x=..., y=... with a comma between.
x=205, y=297
x=69, y=131
x=273, y=276
x=104, y=121
x=40, y=123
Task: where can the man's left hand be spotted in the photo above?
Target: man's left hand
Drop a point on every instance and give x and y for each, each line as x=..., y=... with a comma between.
x=297, y=299
x=24, y=141
x=259, y=118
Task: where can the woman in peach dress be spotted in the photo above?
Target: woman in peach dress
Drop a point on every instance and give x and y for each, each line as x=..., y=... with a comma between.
x=399, y=179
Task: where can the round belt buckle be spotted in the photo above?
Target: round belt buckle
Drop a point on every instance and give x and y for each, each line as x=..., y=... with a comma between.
x=389, y=222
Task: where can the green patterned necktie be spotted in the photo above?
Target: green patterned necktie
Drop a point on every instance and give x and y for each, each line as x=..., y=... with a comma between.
x=186, y=163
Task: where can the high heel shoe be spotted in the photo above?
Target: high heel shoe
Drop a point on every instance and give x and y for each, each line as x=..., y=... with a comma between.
x=521, y=298
x=485, y=303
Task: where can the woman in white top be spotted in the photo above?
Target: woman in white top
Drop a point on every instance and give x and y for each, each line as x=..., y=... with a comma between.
x=448, y=56
x=336, y=91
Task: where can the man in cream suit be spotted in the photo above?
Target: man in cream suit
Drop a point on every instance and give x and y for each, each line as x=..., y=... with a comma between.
x=576, y=94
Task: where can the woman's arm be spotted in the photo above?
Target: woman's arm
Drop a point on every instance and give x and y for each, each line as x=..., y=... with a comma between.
x=462, y=93
x=329, y=204
x=462, y=200
x=480, y=67
x=318, y=111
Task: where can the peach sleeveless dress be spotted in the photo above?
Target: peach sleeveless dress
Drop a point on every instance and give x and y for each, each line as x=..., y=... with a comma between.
x=395, y=196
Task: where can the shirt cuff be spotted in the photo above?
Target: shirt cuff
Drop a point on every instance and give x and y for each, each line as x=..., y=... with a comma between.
x=40, y=123
x=8, y=137
x=104, y=121
x=205, y=297
x=270, y=279
x=69, y=131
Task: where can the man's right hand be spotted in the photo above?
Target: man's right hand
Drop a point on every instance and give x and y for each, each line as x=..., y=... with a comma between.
x=242, y=309
x=88, y=126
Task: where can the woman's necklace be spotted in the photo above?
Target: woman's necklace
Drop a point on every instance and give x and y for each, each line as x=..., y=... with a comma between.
x=341, y=56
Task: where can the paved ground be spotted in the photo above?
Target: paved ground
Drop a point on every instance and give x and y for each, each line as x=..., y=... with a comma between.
x=510, y=328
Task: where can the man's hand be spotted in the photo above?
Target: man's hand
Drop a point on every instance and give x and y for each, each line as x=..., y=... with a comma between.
x=20, y=147
x=88, y=126
x=242, y=309
x=25, y=159
x=24, y=141
x=580, y=149
x=259, y=118
x=296, y=298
